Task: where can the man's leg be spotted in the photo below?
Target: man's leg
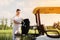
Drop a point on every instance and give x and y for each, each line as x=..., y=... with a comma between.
x=14, y=30
x=14, y=38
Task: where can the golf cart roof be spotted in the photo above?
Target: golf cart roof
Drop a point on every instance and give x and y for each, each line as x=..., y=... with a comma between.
x=47, y=10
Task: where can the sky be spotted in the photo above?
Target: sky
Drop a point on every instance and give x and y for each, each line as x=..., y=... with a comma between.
x=8, y=10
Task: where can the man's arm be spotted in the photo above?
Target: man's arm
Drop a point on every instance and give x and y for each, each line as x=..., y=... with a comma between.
x=16, y=22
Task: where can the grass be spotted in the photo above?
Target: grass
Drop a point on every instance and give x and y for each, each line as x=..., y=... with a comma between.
x=5, y=37
x=6, y=31
x=7, y=34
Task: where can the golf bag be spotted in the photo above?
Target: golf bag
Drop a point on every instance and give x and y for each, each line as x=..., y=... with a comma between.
x=25, y=26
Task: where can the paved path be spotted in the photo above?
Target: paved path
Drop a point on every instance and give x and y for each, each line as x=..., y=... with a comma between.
x=44, y=37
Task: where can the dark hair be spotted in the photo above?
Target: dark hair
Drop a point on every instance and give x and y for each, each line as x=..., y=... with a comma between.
x=18, y=10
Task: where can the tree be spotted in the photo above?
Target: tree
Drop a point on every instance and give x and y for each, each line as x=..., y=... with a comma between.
x=2, y=22
x=11, y=23
x=5, y=27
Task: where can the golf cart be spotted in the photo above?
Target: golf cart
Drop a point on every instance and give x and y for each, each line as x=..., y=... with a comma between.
x=46, y=10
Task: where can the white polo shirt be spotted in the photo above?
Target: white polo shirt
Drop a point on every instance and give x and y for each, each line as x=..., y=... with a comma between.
x=17, y=26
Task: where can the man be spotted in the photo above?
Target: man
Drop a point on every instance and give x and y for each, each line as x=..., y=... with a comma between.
x=17, y=23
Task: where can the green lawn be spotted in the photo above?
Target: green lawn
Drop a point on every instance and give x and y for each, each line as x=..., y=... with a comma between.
x=30, y=31
x=5, y=31
x=10, y=31
x=7, y=34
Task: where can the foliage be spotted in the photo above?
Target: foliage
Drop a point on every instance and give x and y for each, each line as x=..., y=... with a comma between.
x=5, y=27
